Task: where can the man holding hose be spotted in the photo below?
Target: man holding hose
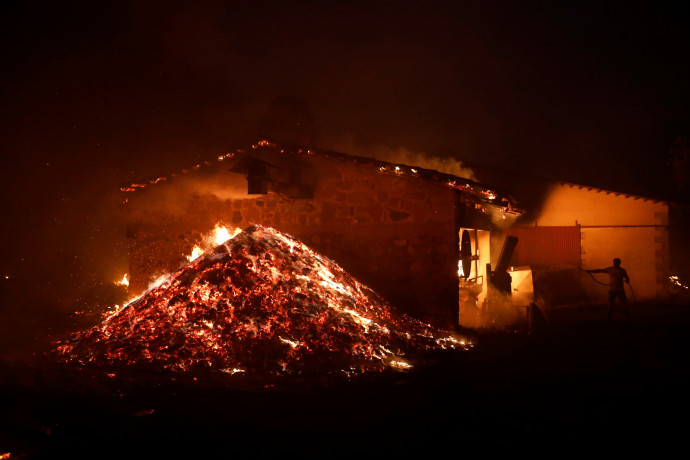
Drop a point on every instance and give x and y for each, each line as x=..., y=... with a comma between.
x=617, y=275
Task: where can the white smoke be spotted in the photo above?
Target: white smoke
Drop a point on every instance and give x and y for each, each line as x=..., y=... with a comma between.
x=401, y=155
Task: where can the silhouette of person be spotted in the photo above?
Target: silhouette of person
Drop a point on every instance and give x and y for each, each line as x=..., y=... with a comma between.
x=617, y=275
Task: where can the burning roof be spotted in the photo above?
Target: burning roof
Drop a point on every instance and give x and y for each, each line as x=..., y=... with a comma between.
x=261, y=302
x=478, y=193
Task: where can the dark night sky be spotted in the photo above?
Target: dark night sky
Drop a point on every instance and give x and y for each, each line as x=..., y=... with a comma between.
x=96, y=96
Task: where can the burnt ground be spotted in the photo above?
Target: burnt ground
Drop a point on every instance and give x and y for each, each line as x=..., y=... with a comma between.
x=577, y=385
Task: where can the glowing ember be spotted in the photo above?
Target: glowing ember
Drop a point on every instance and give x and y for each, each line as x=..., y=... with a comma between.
x=261, y=302
x=123, y=282
x=675, y=280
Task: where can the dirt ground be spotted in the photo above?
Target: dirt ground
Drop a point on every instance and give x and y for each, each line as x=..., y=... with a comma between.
x=578, y=384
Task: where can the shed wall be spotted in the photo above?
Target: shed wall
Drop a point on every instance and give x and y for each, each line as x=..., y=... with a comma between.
x=613, y=225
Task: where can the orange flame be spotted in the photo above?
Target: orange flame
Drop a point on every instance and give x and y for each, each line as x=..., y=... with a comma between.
x=123, y=282
x=219, y=235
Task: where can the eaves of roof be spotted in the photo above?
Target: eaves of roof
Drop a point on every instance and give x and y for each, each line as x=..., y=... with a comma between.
x=476, y=192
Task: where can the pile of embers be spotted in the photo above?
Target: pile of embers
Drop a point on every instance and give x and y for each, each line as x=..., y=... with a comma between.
x=260, y=303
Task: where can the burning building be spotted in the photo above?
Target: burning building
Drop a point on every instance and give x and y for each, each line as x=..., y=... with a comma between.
x=411, y=234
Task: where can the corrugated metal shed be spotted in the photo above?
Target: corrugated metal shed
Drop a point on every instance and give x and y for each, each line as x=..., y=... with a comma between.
x=546, y=245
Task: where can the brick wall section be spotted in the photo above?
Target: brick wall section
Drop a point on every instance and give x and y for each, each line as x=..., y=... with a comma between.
x=398, y=235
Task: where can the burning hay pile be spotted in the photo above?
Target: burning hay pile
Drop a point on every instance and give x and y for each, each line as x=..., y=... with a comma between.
x=260, y=303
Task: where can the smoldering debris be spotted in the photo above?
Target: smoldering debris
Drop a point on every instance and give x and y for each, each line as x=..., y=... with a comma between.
x=260, y=303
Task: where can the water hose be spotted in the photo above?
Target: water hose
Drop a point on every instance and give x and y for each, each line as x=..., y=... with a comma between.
x=632, y=292
x=606, y=284
x=592, y=276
